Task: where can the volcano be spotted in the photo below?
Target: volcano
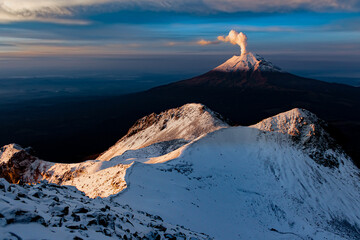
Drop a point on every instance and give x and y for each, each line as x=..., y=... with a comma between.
x=251, y=71
x=245, y=70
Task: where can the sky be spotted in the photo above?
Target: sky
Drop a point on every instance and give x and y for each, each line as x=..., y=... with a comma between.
x=319, y=39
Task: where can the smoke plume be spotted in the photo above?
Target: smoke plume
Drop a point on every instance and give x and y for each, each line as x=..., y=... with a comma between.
x=235, y=38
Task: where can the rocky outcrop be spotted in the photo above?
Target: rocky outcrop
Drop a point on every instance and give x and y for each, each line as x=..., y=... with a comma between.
x=308, y=132
x=17, y=165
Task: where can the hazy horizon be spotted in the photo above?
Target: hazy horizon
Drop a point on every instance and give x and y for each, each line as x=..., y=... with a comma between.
x=117, y=75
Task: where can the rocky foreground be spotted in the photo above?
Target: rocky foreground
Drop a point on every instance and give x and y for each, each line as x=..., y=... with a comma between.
x=49, y=211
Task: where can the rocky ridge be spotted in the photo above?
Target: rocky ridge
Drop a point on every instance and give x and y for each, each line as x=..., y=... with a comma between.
x=308, y=132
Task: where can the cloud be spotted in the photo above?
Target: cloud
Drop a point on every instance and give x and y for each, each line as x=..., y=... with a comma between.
x=283, y=5
x=206, y=42
x=39, y=48
x=45, y=7
x=171, y=44
x=6, y=17
x=53, y=11
x=67, y=11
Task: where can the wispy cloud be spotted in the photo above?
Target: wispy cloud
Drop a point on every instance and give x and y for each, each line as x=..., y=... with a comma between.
x=54, y=11
x=206, y=42
x=41, y=50
x=68, y=11
x=10, y=18
x=283, y=5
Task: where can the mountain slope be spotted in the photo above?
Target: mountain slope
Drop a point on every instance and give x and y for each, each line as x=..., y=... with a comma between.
x=182, y=125
x=263, y=176
x=153, y=138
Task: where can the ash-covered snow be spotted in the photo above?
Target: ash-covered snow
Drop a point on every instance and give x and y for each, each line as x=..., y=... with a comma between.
x=49, y=211
x=247, y=62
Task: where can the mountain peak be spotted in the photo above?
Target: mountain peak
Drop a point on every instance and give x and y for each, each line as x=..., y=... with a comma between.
x=308, y=132
x=290, y=122
x=184, y=123
x=247, y=61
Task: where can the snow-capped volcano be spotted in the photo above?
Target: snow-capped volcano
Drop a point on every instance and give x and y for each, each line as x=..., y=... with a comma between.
x=247, y=62
x=246, y=70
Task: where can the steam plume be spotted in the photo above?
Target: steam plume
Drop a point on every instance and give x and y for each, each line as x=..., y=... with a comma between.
x=235, y=38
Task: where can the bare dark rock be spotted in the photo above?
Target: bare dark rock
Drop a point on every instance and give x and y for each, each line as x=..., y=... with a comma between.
x=81, y=210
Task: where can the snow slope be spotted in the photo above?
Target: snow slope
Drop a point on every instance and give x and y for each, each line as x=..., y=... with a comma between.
x=283, y=178
x=258, y=182
x=48, y=211
x=183, y=124
x=247, y=62
x=153, y=139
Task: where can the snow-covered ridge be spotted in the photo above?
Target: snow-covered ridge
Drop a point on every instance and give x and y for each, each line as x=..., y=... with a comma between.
x=295, y=122
x=158, y=138
x=48, y=211
x=185, y=124
x=284, y=176
x=308, y=132
x=152, y=139
x=247, y=62
x=263, y=176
